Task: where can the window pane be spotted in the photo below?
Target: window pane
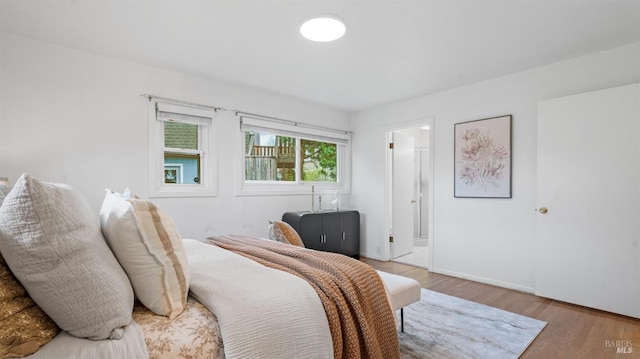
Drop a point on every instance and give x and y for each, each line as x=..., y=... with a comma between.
x=181, y=168
x=269, y=157
x=180, y=135
x=318, y=161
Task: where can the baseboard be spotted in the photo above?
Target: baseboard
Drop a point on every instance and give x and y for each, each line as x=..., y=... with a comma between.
x=497, y=283
x=484, y=280
x=377, y=257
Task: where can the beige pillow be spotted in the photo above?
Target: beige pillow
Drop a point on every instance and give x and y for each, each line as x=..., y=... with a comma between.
x=150, y=249
x=283, y=232
x=52, y=242
x=24, y=327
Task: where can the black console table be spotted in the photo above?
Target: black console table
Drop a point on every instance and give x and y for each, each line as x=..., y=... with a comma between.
x=331, y=231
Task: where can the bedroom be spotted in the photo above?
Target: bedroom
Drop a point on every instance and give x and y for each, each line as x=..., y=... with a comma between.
x=76, y=116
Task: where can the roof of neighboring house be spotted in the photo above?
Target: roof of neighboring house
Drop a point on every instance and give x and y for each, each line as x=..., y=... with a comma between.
x=180, y=135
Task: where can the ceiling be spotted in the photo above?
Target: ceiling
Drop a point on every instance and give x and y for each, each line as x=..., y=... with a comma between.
x=393, y=50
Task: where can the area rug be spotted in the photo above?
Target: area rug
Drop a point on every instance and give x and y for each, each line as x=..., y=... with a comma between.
x=440, y=326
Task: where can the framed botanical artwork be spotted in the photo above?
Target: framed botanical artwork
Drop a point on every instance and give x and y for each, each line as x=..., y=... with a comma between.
x=483, y=158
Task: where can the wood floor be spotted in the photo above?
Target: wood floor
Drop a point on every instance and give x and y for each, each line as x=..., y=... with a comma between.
x=572, y=331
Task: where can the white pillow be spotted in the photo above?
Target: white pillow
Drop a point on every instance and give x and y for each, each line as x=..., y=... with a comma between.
x=150, y=249
x=51, y=240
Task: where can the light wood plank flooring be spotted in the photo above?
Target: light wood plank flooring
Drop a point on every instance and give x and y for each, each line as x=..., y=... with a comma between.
x=572, y=331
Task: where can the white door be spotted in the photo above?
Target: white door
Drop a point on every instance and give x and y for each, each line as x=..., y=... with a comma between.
x=402, y=195
x=588, y=241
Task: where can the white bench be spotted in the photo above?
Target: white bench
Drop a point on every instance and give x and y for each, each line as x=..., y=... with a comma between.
x=403, y=290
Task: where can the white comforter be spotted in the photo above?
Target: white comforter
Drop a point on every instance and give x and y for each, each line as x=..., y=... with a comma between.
x=263, y=312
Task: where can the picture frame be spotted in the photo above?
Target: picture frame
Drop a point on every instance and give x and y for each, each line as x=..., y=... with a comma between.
x=483, y=158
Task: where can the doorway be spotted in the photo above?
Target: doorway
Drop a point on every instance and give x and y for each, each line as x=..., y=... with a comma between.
x=410, y=193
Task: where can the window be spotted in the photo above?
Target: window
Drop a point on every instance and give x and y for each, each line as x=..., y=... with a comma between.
x=181, y=161
x=280, y=157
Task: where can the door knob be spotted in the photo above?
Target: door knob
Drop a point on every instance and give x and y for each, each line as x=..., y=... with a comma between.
x=413, y=201
x=543, y=210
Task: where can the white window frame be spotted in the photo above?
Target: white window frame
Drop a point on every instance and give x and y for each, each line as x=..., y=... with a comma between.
x=300, y=131
x=208, y=186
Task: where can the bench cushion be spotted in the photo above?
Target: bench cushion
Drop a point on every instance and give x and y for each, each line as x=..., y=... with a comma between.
x=403, y=290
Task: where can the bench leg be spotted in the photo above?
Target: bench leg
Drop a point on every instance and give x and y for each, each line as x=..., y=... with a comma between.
x=402, y=320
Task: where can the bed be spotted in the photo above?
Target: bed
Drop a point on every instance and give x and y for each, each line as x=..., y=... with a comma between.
x=234, y=296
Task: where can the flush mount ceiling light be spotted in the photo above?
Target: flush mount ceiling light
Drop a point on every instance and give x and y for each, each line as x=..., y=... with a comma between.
x=323, y=28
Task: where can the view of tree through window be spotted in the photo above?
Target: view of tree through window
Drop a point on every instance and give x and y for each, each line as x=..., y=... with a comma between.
x=270, y=157
x=318, y=161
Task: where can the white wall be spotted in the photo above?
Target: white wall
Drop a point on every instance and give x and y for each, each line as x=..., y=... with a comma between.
x=489, y=240
x=75, y=117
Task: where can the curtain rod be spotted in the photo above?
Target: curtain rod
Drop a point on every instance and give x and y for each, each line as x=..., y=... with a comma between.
x=237, y=112
x=292, y=123
x=181, y=102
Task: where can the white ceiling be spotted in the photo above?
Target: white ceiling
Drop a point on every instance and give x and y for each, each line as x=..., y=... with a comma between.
x=392, y=50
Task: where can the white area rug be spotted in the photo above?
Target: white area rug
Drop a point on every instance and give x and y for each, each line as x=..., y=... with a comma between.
x=441, y=326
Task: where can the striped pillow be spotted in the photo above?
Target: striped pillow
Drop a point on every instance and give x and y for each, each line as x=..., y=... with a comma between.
x=150, y=249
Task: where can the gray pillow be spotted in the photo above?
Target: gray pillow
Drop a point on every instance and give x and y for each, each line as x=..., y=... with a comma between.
x=52, y=242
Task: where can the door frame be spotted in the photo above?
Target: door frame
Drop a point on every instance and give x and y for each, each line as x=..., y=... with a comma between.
x=388, y=184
